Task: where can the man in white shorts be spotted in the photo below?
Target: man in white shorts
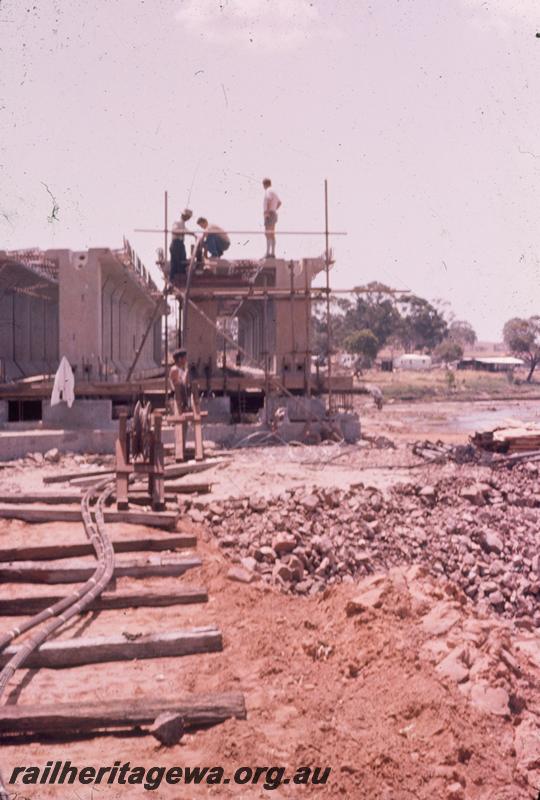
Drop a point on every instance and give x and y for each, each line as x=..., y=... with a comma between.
x=270, y=208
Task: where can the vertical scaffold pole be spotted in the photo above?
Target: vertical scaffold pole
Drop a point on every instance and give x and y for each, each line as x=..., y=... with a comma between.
x=266, y=355
x=308, y=331
x=165, y=228
x=328, y=317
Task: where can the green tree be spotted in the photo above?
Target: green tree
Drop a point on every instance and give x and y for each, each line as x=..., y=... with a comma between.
x=422, y=326
x=522, y=337
x=363, y=343
x=462, y=332
x=319, y=327
x=374, y=310
x=410, y=320
x=448, y=351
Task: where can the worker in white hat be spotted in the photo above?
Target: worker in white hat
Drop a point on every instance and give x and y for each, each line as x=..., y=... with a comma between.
x=178, y=247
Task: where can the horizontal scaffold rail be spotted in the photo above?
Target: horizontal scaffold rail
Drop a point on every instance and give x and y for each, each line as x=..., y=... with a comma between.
x=251, y=233
x=314, y=293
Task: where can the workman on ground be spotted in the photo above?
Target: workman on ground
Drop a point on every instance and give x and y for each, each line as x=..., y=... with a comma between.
x=178, y=380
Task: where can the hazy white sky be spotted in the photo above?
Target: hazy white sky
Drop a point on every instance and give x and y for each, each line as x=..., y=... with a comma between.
x=424, y=115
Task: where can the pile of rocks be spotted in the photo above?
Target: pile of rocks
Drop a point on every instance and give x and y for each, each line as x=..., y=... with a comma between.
x=482, y=536
x=495, y=668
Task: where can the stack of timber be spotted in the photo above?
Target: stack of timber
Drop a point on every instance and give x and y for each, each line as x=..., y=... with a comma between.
x=513, y=439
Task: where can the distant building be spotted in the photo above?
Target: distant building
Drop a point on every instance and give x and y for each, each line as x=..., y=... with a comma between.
x=413, y=361
x=491, y=363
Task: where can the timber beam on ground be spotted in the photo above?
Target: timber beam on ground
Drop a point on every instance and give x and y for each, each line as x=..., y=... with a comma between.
x=26, y=606
x=78, y=571
x=196, y=710
x=171, y=471
x=63, y=653
x=33, y=513
x=55, y=551
x=136, y=496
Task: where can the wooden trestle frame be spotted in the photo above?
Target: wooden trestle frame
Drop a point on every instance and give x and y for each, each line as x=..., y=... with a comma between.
x=180, y=420
x=154, y=467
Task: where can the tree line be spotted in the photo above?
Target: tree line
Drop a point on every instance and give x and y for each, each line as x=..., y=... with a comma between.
x=378, y=318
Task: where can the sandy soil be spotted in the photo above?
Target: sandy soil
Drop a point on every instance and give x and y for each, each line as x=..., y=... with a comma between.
x=373, y=709
x=360, y=693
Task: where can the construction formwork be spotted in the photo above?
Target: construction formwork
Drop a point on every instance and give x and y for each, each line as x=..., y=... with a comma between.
x=269, y=307
x=91, y=306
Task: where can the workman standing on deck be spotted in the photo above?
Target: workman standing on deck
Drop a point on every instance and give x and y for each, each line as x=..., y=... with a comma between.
x=178, y=380
x=270, y=208
x=178, y=247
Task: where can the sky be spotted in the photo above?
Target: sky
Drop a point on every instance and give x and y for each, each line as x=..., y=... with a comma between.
x=423, y=116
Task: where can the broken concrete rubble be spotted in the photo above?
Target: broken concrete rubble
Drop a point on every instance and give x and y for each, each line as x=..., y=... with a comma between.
x=477, y=656
x=311, y=537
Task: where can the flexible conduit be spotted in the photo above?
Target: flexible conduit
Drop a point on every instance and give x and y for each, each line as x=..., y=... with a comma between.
x=72, y=604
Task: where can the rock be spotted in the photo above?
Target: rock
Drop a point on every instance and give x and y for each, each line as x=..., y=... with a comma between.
x=228, y=541
x=375, y=502
x=240, y=574
x=428, y=493
x=267, y=554
x=527, y=744
x=168, y=728
x=489, y=587
x=474, y=494
x=296, y=567
x=196, y=515
x=323, y=567
x=490, y=542
x=496, y=599
x=249, y=563
x=282, y=572
x=373, y=598
x=362, y=557
x=258, y=504
x=283, y=543
x=496, y=568
x=322, y=543
x=455, y=792
x=452, y=666
x=310, y=502
x=440, y=619
x=490, y=700
x=53, y=455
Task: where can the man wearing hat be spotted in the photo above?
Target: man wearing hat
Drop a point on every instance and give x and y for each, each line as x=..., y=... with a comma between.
x=178, y=380
x=178, y=247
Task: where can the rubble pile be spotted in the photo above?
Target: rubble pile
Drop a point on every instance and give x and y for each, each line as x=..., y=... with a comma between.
x=481, y=536
x=495, y=670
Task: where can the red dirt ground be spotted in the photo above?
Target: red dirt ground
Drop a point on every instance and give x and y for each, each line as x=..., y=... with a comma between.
x=357, y=693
